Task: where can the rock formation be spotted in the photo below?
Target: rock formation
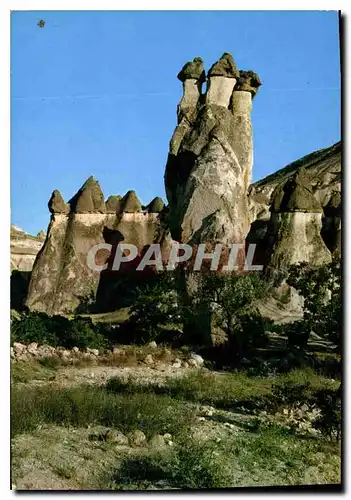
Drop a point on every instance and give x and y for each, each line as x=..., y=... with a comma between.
x=294, y=232
x=210, y=159
x=24, y=248
x=322, y=172
x=322, y=176
x=292, y=216
x=61, y=279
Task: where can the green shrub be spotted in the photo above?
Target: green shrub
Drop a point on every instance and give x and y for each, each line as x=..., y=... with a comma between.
x=155, y=305
x=191, y=466
x=329, y=403
x=57, y=331
x=321, y=289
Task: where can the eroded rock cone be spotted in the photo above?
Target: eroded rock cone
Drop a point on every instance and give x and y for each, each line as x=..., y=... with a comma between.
x=156, y=205
x=89, y=198
x=57, y=204
x=131, y=203
x=294, y=230
x=295, y=195
x=114, y=204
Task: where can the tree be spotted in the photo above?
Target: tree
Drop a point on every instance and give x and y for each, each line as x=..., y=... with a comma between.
x=232, y=301
x=321, y=290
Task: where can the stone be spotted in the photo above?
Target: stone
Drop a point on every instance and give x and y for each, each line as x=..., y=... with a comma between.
x=224, y=67
x=152, y=344
x=12, y=352
x=137, y=438
x=149, y=360
x=18, y=347
x=192, y=362
x=193, y=70
x=131, y=203
x=32, y=348
x=65, y=353
x=177, y=364
x=75, y=350
x=156, y=205
x=117, y=351
x=57, y=204
x=157, y=441
x=114, y=204
x=199, y=361
x=116, y=437
x=95, y=352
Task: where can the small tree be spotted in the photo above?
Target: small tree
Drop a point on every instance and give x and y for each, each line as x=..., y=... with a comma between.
x=155, y=305
x=231, y=299
x=321, y=290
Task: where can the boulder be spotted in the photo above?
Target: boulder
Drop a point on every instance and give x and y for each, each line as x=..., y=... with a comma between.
x=137, y=438
x=116, y=437
x=157, y=441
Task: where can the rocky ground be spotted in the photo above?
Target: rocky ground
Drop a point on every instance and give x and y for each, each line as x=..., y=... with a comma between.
x=225, y=449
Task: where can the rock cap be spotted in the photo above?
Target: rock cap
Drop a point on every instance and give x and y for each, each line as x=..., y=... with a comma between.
x=225, y=67
x=193, y=70
x=248, y=81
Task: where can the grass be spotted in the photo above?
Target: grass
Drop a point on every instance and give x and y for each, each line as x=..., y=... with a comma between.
x=26, y=371
x=119, y=316
x=269, y=458
x=83, y=406
x=52, y=425
x=191, y=466
x=228, y=390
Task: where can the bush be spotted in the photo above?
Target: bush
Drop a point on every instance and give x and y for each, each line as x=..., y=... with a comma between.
x=57, y=331
x=329, y=421
x=191, y=466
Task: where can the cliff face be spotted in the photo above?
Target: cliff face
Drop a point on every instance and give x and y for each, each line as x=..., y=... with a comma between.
x=24, y=248
x=322, y=173
x=61, y=278
x=322, y=179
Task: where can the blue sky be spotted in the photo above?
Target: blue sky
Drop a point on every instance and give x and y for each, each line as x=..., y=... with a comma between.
x=95, y=93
